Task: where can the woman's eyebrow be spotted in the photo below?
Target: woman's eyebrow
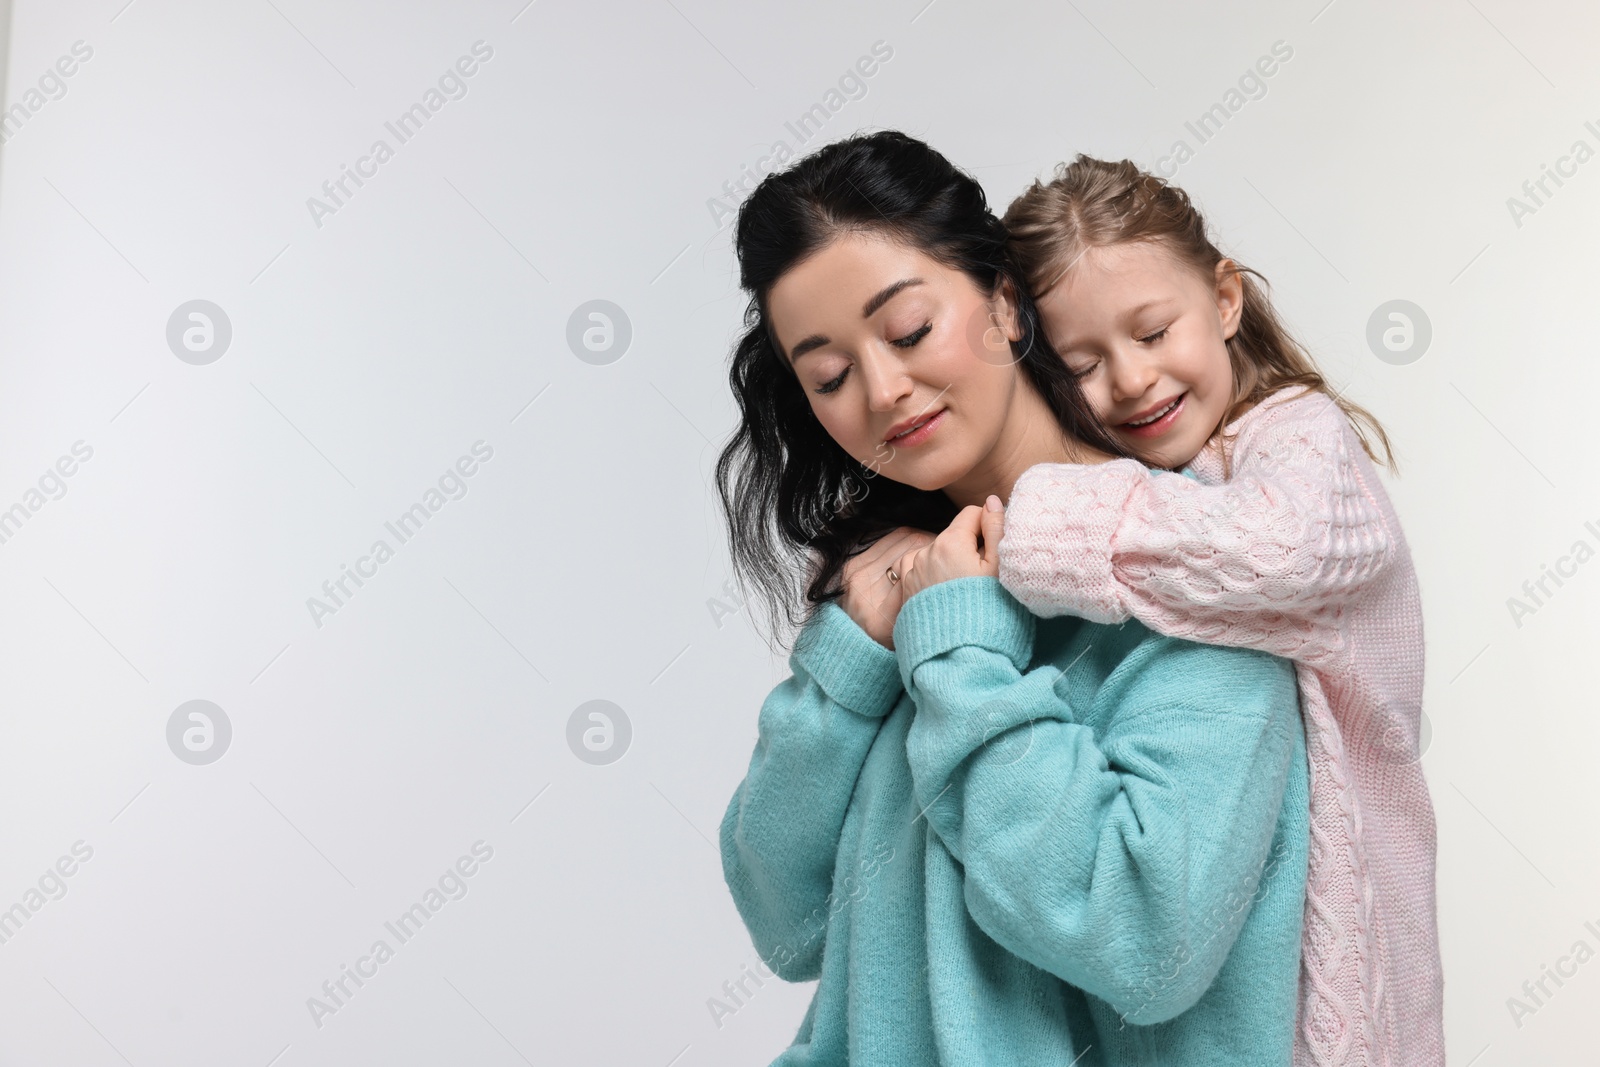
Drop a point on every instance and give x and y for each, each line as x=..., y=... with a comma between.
x=886, y=294
x=816, y=340
x=882, y=297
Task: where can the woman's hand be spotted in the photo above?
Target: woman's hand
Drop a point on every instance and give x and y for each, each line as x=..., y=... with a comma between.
x=870, y=597
x=967, y=548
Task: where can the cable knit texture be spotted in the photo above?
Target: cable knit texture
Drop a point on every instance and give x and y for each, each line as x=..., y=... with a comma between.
x=1300, y=554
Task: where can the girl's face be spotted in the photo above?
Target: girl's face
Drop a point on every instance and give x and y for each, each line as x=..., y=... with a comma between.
x=1146, y=336
x=882, y=338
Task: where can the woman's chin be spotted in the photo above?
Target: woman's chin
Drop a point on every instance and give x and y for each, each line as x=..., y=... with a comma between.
x=916, y=478
x=939, y=479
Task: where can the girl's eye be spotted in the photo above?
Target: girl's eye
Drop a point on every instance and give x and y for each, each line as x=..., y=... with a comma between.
x=1084, y=373
x=912, y=338
x=828, y=387
x=1155, y=336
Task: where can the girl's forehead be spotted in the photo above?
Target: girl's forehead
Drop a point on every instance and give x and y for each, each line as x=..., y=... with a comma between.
x=1125, y=257
x=1147, y=266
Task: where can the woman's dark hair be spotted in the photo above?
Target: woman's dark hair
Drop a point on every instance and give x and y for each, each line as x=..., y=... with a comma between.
x=796, y=504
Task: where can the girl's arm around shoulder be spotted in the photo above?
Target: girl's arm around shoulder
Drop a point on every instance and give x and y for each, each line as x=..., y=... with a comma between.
x=780, y=834
x=1110, y=811
x=1255, y=561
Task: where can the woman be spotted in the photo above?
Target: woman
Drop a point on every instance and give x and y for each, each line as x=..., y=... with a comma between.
x=993, y=838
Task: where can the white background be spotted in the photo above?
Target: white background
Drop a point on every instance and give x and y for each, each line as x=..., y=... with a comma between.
x=430, y=312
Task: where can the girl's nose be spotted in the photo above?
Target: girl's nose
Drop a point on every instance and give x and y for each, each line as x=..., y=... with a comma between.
x=1132, y=377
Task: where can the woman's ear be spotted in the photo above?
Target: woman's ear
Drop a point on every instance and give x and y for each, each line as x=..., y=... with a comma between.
x=1230, y=296
x=1005, y=301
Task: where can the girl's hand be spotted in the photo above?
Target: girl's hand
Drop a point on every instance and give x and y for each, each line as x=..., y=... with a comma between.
x=966, y=549
x=870, y=597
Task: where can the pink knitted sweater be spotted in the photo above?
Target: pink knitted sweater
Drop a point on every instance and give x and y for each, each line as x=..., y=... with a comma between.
x=1299, y=554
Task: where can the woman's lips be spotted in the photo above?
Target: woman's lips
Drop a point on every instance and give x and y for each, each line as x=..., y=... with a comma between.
x=920, y=434
x=1161, y=425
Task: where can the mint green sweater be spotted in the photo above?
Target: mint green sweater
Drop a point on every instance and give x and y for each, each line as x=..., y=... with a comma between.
x=1022, y=841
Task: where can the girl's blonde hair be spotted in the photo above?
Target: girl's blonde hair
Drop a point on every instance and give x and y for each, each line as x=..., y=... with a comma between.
x=1093, y=203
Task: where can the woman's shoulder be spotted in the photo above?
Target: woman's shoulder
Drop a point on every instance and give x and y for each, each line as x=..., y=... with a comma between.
x=1130, y=660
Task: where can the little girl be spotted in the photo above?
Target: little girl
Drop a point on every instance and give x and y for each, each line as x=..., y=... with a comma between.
x=1276, y=535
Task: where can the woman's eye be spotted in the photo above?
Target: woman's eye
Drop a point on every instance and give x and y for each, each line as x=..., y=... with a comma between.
x=900, y=342
x=1155, y=336
x=912, y=338
x=828, y=387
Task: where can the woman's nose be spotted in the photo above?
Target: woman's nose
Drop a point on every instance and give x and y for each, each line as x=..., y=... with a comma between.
x=885, y=379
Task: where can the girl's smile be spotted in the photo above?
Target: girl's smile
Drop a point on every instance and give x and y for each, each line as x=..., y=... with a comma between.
x=1147, y=338
x=1158, y=420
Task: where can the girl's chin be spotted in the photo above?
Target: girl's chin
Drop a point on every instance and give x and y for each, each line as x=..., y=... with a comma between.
x=1167, y=455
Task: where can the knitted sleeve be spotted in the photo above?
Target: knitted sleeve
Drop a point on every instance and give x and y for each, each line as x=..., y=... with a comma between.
x=1264, y=560
x=780, y=834
x=1122, y=861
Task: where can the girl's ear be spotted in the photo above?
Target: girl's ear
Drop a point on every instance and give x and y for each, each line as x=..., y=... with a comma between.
x=1230, y=296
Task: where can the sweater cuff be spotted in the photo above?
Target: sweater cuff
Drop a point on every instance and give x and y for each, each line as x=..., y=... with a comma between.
x=853, y=669
x=1059, y=541
x=975, y=610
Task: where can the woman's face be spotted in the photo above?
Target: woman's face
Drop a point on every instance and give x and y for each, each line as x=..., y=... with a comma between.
x=883, y=337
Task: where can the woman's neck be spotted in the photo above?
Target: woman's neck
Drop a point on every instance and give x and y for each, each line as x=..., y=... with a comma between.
x=1030, y=435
